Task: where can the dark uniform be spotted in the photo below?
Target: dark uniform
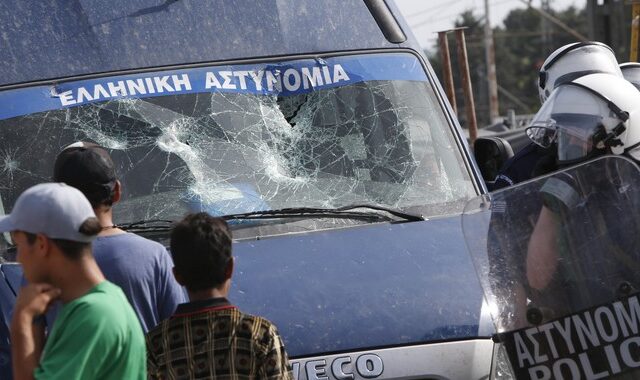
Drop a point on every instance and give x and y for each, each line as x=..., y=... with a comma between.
x=531, y=161
x=598, y=248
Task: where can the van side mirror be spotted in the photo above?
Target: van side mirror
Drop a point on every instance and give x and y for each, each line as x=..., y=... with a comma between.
x=491, y=153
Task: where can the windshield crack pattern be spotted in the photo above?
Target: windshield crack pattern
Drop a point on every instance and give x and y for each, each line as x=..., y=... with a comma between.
x=224, y=153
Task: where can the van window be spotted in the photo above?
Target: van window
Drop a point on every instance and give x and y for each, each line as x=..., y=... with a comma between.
x=61, y=38
x=325, y=132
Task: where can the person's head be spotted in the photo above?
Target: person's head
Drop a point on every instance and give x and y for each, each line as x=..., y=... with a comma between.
x=589, y=116
x=50, y=219
x=89, y=168
x=631, y=72
x=201, y=251
x=572, y=61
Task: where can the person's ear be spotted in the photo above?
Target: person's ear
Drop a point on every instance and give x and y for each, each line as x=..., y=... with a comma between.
x=228, y=271
x=178, y=277
x=42, y=245
x=117, y=192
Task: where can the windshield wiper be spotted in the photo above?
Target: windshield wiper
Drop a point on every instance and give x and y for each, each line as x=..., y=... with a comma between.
x=400, y=214
x=160, y=225
x=346, y=212
x=150, y=225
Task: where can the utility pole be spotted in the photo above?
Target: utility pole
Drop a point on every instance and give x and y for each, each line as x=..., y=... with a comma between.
x=465, y=76
x=635, y=31
x=546, y=43
x=490, y=58
x=610, y=22
x=469, y=104
x=447, y=74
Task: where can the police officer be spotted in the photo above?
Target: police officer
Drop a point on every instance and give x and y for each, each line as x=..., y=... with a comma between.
x=563, y=65
x=593, y=115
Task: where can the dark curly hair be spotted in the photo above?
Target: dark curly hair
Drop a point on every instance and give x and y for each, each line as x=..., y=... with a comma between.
x=201, y=249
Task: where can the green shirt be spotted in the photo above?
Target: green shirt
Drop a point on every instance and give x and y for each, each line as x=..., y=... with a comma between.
x=96, y=336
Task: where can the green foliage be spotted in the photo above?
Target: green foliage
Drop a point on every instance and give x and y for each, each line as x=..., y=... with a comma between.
x=521, y=46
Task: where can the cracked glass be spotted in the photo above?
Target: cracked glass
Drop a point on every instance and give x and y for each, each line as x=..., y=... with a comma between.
x=372, y=141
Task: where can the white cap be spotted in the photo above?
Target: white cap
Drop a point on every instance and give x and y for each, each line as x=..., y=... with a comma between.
x=52, y=209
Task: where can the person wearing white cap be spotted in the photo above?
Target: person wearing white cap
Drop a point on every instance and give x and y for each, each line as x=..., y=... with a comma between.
x=97, y=334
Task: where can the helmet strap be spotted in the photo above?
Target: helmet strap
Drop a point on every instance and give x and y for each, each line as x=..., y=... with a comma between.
x=610, y=140
x=542, y=79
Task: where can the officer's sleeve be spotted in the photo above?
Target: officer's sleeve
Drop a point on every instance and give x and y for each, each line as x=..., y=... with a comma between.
x=507, y=175
x=502, y=181
x=518, y=168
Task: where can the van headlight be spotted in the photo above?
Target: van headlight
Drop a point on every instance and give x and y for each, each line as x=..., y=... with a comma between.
x=500, y=366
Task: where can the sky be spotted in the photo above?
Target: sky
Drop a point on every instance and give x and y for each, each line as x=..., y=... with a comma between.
x=427, y=17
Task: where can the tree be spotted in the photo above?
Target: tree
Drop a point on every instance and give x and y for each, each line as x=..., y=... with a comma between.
x=521, y=46
x=527, y=39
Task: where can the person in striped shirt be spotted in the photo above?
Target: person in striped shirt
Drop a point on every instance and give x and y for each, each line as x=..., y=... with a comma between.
x=208, y=337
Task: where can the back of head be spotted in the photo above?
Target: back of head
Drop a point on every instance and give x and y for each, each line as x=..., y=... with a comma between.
x=572, y=61
x=594, y=114
x=631, y=72
x=89, y=168
x=201, y=251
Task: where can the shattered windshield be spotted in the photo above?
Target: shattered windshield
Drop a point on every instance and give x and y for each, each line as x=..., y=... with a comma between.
x=332, y=132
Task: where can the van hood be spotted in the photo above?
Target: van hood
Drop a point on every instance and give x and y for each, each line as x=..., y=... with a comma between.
x=362, y=287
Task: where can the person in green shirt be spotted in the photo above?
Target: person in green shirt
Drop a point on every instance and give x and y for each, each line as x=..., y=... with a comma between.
x=97, y=334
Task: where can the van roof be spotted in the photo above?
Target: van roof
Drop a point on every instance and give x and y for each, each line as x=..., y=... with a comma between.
x=59, y=39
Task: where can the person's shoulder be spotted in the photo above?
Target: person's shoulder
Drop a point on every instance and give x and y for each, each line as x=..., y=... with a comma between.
x=166, y=331
x=154, y=335
x=140, y=239
x=103, y=302
x=530, y=150
x=263, y=329
x=253, y=318
x=105, y=295
x=132, y=240
x=519, y=167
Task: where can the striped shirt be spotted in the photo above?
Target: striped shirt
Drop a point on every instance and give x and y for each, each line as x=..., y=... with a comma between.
x=214, y=340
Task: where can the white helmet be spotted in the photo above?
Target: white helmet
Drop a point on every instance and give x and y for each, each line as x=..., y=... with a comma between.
x=588, y=116
x=631, y=72
x=573, y=61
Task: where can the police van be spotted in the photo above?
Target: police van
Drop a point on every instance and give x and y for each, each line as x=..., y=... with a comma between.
x=318, y=129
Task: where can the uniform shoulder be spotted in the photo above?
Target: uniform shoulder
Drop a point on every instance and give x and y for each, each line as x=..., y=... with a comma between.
x=530, y=150
x=519, y=167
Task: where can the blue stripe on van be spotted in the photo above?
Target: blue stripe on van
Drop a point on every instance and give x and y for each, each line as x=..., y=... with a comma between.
x=277, y=78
